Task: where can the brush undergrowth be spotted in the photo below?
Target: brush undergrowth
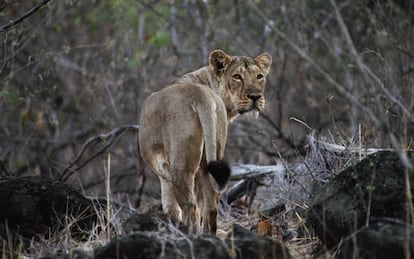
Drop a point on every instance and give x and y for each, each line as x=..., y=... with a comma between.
x=322, y=162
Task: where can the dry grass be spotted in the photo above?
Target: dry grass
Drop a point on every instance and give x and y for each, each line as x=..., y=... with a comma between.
x=291, y=189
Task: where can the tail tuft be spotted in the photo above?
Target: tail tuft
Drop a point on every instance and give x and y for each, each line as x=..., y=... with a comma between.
x=219, y=174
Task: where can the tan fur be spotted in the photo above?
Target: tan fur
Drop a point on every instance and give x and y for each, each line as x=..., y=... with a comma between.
x=184, y=127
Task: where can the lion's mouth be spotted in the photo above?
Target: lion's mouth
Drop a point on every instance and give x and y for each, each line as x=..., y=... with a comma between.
x=253, y=107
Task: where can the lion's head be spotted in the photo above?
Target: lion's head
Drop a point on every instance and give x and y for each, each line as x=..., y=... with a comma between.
x=241, y=80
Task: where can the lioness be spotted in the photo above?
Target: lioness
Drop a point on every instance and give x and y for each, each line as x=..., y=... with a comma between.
x=184, y=130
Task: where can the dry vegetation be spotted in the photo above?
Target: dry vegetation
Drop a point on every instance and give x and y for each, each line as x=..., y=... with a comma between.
x=343, y=73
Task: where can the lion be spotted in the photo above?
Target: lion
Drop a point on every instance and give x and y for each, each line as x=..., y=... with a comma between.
x=183, y=133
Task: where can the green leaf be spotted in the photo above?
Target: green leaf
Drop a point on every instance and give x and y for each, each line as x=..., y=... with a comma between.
x=9, y=96
x=370, y=188
x=20, y=163
x=161, y=38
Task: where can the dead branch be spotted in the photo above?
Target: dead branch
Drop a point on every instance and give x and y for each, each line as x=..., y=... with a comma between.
x=240, y=172
x=246, y=187
x=24, y=16
x=108, y=139
x=334, y=148
x=249, y=177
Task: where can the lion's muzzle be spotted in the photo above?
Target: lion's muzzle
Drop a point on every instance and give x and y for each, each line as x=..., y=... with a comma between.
x=254, y=97
x=255, y=103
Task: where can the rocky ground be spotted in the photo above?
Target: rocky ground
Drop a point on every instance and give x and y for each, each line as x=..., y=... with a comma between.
x=365, y=211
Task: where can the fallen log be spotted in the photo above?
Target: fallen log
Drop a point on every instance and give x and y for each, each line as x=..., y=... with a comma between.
x=249, y=177
x=244, y=171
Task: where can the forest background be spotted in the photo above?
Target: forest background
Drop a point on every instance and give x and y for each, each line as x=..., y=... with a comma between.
x=342, y=71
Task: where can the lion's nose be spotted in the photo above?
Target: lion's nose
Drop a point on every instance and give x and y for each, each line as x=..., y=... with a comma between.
x=254, y=97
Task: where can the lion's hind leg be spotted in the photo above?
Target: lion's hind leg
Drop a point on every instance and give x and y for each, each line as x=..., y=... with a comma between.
x=183, y=187
x=208, y=202
x=169, y=202
x=219, y=173
x=157, y=160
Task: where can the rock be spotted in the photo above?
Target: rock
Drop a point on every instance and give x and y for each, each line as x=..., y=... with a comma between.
x=241, y=243
x=272, y=207
x=373, y=188
x=40, y=206
x=203, y=247
x=12, y=242
x=381, y=240
x=144, y=245
x=136, y=245
x=246, y=244
x=65, y=254
x=140, y=222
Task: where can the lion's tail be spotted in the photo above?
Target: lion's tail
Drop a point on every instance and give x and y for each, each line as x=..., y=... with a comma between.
x=213, y=121
x=219, y=173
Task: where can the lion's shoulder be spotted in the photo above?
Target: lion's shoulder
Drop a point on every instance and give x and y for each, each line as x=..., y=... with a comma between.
x=199, y=76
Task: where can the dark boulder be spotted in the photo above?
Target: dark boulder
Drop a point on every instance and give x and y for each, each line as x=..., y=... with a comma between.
x=246, y=244
x=136, y=246
x=141, y=222
x=145, y=245
x=158, y=240
x=203, y=247
x=373, y=188
x=383, y=239
x=38, y=206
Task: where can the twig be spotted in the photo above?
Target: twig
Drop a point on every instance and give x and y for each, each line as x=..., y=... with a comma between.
x=108, y=139
x=142, y=182
x=4, y=5
x=244, y=187
x=24, y=16
x=355, y=151
x=108, y=197
x=3, y=169
x=249, y=177
x=279, y=133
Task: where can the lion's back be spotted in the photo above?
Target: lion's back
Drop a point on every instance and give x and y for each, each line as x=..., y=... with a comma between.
x=175, y=113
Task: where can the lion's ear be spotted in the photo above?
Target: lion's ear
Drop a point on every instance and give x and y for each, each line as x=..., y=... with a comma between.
x=219, y=61
x=264, y=61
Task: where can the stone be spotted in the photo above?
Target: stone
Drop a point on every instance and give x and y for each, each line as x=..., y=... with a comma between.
x=373, y=188
x=383, y=239
x=246, y=244
x=136, y=246
x=240, y=243
x=39, y=206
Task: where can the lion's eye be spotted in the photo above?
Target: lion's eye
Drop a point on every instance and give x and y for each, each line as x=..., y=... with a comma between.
x=237, y=77
x=259, y=76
